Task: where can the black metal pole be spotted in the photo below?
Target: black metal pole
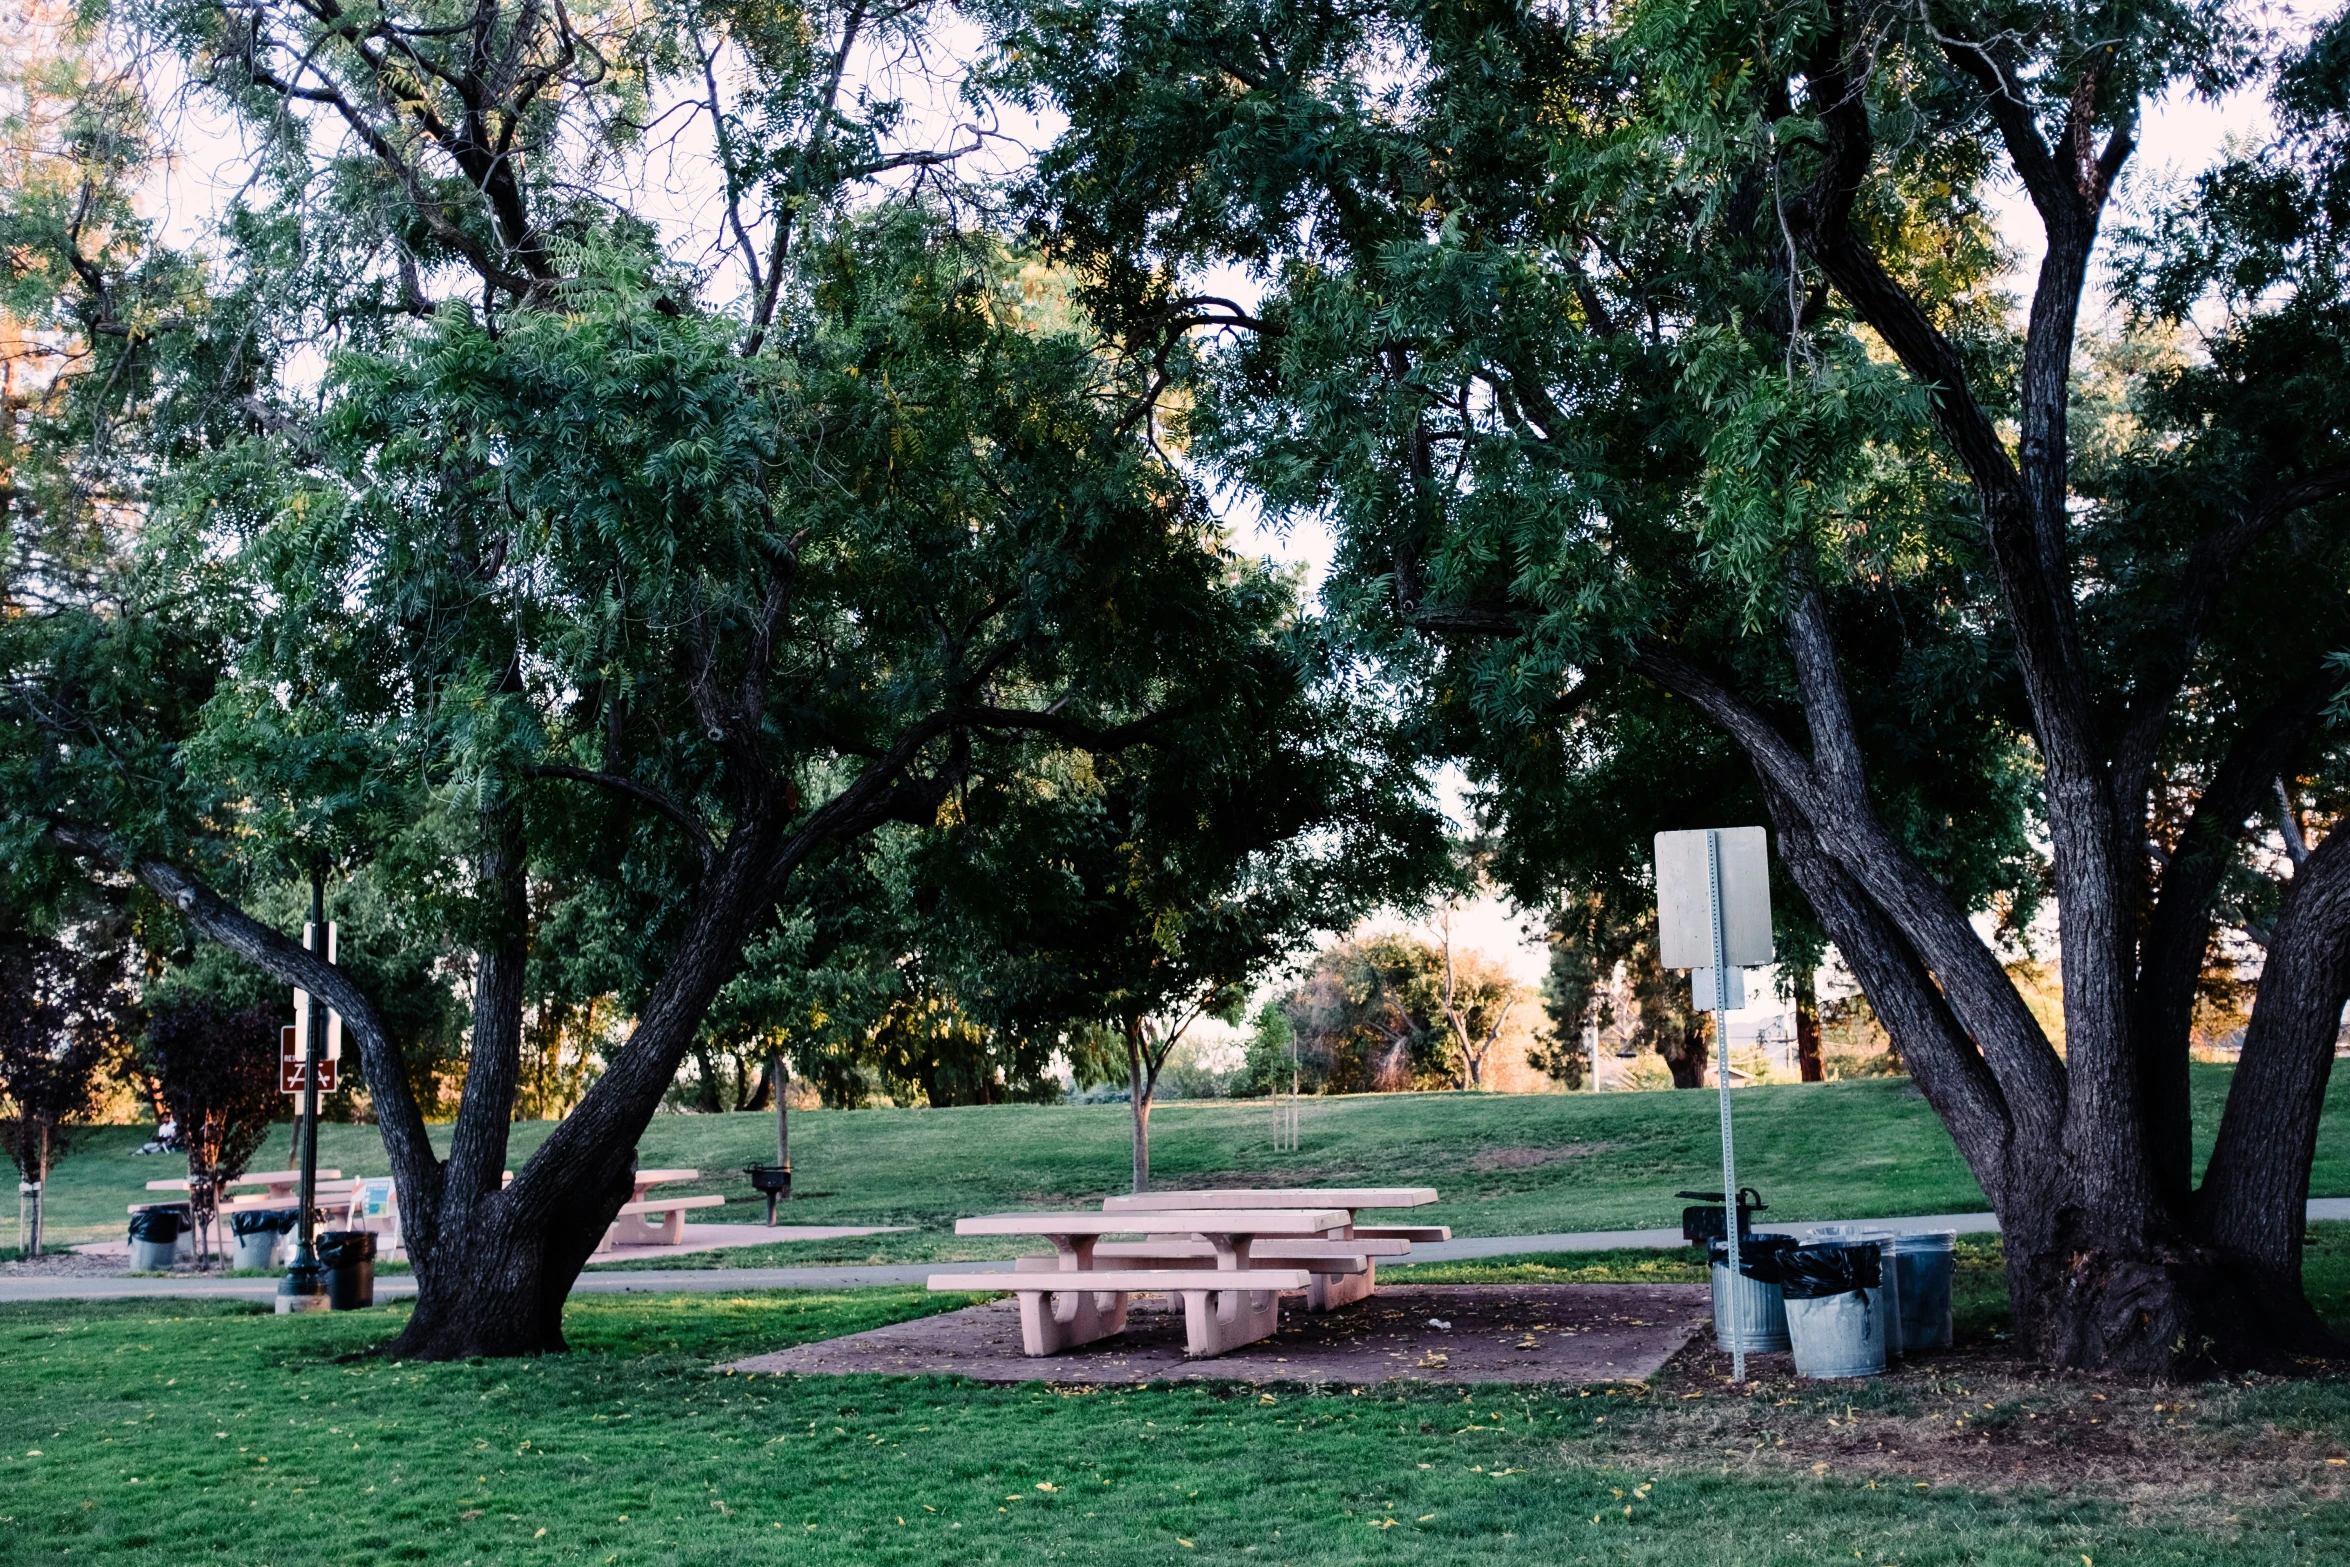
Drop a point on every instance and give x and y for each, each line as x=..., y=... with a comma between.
x=304, y=1286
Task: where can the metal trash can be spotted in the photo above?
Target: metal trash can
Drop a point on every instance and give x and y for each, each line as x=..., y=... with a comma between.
x=1882, y=1238
x=1836, y=1307
x=155, y=1238
x=258, y=1233
x=1922, y=1267
x=1750, y=1312
x=348, y=1256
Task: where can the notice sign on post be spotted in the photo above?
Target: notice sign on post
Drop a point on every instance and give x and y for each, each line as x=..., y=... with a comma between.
x=289, y=1065
x=1713, y=917
x=294, y=1043
x=1697, y=873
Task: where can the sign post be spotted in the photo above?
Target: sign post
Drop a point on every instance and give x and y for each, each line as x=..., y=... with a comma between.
x=1713, y=890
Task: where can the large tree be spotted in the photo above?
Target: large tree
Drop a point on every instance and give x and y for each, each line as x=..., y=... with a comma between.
x=1670, y=346
x=670, y=584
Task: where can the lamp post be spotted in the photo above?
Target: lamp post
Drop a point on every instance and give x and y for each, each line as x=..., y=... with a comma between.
x=304, y=1286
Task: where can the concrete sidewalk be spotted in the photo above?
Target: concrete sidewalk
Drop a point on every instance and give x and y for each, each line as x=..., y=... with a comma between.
x=728, y=1280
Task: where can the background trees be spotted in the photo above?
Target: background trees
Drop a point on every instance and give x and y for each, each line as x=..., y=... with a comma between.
x=1118, y=903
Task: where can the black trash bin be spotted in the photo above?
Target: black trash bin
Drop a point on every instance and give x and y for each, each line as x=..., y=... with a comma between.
x=349, y=1259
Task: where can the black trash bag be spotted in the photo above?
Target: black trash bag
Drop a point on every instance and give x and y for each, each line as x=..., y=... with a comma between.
x=1829, y=1268
x=1758, y=1255
x=263, y=1221
x=345, y=1248
x=162, y=1226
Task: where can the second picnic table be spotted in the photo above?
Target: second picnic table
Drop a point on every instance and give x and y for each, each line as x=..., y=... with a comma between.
x=1241, y=1306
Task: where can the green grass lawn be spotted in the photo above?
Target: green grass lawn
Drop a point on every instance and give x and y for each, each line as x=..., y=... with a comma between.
x=171, y=1432
x=1506, y=1164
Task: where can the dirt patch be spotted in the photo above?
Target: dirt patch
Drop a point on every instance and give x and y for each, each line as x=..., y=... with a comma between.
x=66, y=1265
x=1985, y=1418
x=1535, y=1158
x=1441, y=1333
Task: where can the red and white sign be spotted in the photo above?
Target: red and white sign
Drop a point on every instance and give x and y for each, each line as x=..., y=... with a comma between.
x=289, y=1065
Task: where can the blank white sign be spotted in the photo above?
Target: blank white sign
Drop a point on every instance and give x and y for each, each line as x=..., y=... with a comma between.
x=1684, y=927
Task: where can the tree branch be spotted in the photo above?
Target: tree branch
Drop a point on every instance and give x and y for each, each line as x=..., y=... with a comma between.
x=405, y=1139
x=697, y=831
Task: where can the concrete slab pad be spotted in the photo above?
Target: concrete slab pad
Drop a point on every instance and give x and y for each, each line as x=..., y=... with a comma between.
x=1439, y=1333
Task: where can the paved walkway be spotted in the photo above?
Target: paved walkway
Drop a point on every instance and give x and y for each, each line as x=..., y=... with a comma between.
x=658, y=1280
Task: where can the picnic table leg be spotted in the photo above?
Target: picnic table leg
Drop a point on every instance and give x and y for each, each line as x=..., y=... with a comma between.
x=673, y=1227
x=1329, y=1291
x=1218, y=1320
x=1063, y=1319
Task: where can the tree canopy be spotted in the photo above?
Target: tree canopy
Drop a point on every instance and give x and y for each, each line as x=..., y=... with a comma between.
x=1662, y=359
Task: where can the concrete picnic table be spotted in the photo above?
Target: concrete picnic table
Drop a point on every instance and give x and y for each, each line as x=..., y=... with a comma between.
x=1217, y=1317
x=633, y=1227
x=1330, y=1288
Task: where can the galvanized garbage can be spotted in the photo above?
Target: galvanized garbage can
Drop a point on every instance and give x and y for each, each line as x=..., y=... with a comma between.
x=1836, y=1308
x=258, y=1232
x=1750, y=1313
x=1878, y=1236
x=155, y=1238
x=1922, y=1267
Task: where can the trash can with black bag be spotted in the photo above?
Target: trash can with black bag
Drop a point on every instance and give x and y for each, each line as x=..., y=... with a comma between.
x=155, y=1238
x=349, y=1259
x=258, y=1232
x=1835, y=1294
x=1750, y=1313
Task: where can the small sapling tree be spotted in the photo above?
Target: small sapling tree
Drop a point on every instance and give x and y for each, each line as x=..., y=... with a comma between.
x=58, y=1028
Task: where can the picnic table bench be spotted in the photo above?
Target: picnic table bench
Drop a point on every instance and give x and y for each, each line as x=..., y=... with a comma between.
x=636, y=1225
x=1331, y=1285
x=1067, y=1299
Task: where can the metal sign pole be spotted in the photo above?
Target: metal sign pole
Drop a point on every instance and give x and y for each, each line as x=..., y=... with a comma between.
x=1720, y=1009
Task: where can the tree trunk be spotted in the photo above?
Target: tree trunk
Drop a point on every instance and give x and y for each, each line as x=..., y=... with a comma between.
x=505, y=1261
x=707, y=1100
x=766, y=1085
x=1807, y=1026
x=1139, y=1104
x=40, y=1195
x=1684, y=1051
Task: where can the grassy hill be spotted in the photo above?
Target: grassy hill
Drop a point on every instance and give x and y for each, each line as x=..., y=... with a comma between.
x=1506, y=1165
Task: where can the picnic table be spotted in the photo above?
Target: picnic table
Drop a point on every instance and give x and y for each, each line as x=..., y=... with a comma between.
x=1334, y=1283
x=636, y=1225
x=1216, y=1317
x=284, y=1185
